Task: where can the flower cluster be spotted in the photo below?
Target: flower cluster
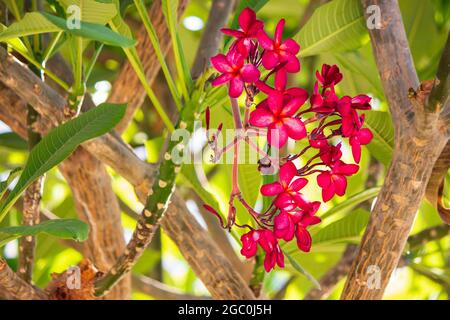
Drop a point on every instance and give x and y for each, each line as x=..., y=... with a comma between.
x=323, y=118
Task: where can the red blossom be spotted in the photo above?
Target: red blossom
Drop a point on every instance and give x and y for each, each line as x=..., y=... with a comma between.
x=278, y=51
x=334, y=181
x=329, y=76
x=250, y=27
x=362, y=137
x=324, y=103
x=287, y=189
x=234, y=71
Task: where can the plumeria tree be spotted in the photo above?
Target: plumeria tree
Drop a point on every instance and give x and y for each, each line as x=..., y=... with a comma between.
x=294, y=148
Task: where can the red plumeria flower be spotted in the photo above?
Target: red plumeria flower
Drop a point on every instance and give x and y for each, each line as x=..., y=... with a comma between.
x=234, y=71
x=329, y=154
x=360, y=102
x=279, y=92
x=324, y=103
x=330, y=75
x=284, y=225
x=278, y=51
x=334, y=181
x=250, y=27
x=303, y=236
x=280, y=121
x=268, y=242
x=362, y=137
x=287, y=189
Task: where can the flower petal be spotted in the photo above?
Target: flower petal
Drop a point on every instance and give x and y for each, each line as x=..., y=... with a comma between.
x=270, y=59
x=271, y=189
x=221, y=79
x=249, y=73
x=220, y=62
x=298, y=184
x=246, y=18
x=365, y=136
x=279, y=32
x=284, y=201
x=280, y=81
x=232, y=33
x=236, y=87
x=293, y=63
x=261, y=118
x=303, y=239
x=290, y=108
x=264, y=40
x=295, y=128
x=324, y=179
x=328, y=193
x=290, y=46
x=277, y=135
x=287, y=172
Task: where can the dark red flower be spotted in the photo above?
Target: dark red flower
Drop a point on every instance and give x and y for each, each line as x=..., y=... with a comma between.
x=324, y=103
x=362, y=137
x=278, y=51
x=250, y=27
x=280, y=121
x=334, y=181
x=329, y=76
x=287, y=189
x=268, y=242
x=329, y=154
x=234, y=71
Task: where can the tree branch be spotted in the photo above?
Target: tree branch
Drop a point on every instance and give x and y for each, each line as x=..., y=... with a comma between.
x=127, y=87
x=161, y=291
x=418, y=143
x=17, y=288
x=212, y=37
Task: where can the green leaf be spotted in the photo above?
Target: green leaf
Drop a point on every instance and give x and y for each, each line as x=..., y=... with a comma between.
x=249, y=182
x=92, y=31
x=62, y=228
x=380, y=123
x=61, y=142
x=13, y=141
x=296, y=265
x=93, y=11
x=352, y=201
x=42, y=22
x=336, y=26
x=5, y=184
x=347, y=229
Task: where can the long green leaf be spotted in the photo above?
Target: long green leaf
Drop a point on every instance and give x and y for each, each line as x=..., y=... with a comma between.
x=61, y=142
x=13, y=141
x=336, y=26
x=297, y=266
x=380, y=123
x=347, y=229
x=42, y=22
x=93, y=11
x=352, y=201
x=62, y=228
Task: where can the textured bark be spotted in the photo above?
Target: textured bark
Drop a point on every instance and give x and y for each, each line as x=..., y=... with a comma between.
x=436, y=184
x=161, y=291
x=419, y=140
x=127, y=87
x=212, y=37
x=203, y=255
x=17, y=288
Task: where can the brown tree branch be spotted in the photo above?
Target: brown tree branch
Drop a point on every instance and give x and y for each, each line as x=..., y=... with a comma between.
x=418, y=143
x=17, y=288
x=161, y=291
x=127, y=87
x=212, y=37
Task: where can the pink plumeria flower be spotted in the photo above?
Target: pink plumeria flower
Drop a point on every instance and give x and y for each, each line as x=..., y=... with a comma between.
x=278, y=51
x=286, y=189
x=317, y=139
x=250, y=27
x=279, y=119
x=279, y=92
x=334, y=181
x=329, y=154
x=362, y=137
x=303, y=236
x=329, y=75
x=324, y=103
x=234, y=71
